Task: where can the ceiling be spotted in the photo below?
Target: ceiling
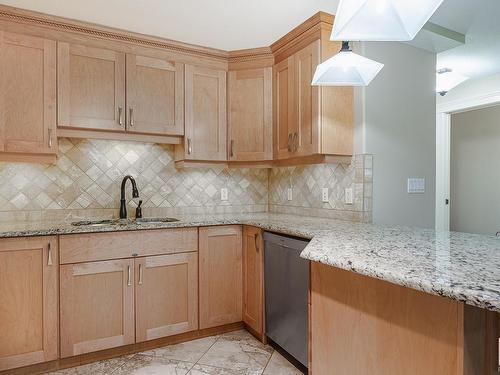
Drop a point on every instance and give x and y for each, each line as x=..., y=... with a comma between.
x=237, y=24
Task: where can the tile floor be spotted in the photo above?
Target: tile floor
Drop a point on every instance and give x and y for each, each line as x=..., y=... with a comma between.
x=234, y=353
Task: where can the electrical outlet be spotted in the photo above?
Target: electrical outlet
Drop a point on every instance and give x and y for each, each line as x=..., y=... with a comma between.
x=223, y=194
x=349, y=196
x=289, y=194
x=324, y=195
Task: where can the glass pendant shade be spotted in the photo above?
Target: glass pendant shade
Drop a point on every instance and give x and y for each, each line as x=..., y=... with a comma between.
x=382, y=20
x=346, y=69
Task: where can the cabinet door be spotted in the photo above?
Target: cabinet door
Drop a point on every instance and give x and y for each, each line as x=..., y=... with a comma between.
x=155, y=96
x=253, y=275
x=28, y=301
x=220, y=275
x=166, y=295
x=28, y=94
x=284, y=117
x=306, y=137
x=97, y=306
x=205, y=111
x=91, y=87
x=250, y=115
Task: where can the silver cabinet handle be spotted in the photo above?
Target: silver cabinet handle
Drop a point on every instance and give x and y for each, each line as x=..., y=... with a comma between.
x=231, y=148
x=289, y=147
x=50, y=138
x=131, y=111
x=189, y=146
x=129, y=276
x=49, y=256
x=256, y=239
x=120, y=116
x=140, y=274
x=295, y=142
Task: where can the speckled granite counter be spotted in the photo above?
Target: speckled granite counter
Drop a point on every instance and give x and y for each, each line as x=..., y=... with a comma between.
x=460, y=266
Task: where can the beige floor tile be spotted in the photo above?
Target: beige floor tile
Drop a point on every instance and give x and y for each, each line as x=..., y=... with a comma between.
x=190, y=351
x=279, y=365
x=210, y=370
x=148, y=365
x=97, y=368
x=238, y=351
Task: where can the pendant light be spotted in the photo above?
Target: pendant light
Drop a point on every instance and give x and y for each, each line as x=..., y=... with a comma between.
x=381, y=20
x=346, y=69
x=446, y=79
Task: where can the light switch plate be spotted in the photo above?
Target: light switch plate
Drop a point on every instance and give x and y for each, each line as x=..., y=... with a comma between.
x=289, y=194
x=349, y=199
x=324, y=195
x=223, y=194
x=416, y=185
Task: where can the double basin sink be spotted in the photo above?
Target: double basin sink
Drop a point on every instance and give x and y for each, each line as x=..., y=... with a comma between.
x=106, y=222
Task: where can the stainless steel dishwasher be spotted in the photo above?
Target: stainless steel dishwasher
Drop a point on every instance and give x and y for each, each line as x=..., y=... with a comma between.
x=286, y=289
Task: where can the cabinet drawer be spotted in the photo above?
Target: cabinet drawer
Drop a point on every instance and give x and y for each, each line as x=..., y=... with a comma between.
x=88, y=247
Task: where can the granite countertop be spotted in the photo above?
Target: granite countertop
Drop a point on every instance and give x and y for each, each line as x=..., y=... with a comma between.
x=464, y=267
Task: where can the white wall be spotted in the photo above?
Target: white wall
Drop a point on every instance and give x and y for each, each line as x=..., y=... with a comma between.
x=474, y=177
x=395, y=121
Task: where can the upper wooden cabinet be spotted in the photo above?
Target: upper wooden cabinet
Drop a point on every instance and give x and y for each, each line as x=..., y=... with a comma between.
x=205, y=115
x=106, y=90
x=310, y=120
x=250, y=115
x=27, y=98
x=220, y=275
x=155, y=96
x=91, y=87
x=28, y=301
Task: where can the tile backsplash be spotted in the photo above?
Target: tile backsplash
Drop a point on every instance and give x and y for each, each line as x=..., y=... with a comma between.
x=85, y=182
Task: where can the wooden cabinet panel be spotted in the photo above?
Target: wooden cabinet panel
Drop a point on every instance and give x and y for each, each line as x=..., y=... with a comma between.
x=220, y=265
x=90, y=247
x=97, y=306
x=361, y=325
x=253, y=279
x=28, y=301
x=306, y=137
x=205, y=113
x=250, y=115
x=284, y=108
x=155, y=96
x=91, y=87
x=166, y=295
x=28, y=94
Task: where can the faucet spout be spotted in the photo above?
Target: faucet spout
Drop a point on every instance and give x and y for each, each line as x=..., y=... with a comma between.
x=135, y=194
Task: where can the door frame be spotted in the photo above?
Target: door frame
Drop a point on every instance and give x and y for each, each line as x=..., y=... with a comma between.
x=443, y=146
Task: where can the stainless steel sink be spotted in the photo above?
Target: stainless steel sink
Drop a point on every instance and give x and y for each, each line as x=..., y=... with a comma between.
x=155, y=220
x=95, y=223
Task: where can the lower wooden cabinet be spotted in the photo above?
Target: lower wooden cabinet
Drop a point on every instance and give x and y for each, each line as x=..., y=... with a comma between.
x=97, y=306
x=220, y=252
x=253, y=279
x=166, y=295
x=28, y=301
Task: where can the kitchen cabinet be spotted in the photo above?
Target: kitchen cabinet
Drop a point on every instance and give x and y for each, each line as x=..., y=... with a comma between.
x=250, y=114
x=91, y=87
x=220, y=254
x=283, y=108
x=155, y=95
x=28, y=98
x=166, y=295
x=253, y=279
x=97, y=306
x=205, y=115
x=310, y=120
x=28, y=301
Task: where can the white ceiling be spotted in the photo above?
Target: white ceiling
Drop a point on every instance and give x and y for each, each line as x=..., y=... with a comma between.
x=238, y=24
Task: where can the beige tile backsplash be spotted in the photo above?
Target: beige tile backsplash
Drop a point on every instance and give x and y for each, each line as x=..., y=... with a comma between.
x=85, y=182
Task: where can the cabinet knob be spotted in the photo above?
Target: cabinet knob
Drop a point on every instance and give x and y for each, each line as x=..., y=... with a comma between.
x=140, y=274
x=50, y=138
x=129, y=276
x=131, y=111
x=49, y=255
x=231, y=148
x=120, y=116
x=189, y=146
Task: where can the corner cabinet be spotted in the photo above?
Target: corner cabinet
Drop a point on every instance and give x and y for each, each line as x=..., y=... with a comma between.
x=310, y=120
x=28, y=301
x=250, y=110
x=27, y=98
x=220, y=275
x=205, y=115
